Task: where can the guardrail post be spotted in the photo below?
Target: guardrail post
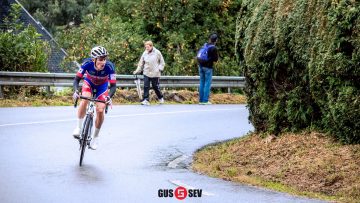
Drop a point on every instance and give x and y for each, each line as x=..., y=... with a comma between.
x=229, y=90
x=1, y=93
x=48, y=90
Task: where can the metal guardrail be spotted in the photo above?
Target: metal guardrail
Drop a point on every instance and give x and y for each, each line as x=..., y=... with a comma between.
x=66, y=80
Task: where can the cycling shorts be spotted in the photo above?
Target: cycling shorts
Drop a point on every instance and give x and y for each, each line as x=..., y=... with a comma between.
x=101, y=90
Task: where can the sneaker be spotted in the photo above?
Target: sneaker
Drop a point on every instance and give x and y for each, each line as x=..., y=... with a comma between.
x=76, y=133
x=145, y=102
x=161, y=101
x=201, y=103
x=207, y=103
x=94, y=143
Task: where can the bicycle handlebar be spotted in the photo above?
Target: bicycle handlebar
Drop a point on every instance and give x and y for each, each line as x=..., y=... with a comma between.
x=91, y=99
x=75, y=104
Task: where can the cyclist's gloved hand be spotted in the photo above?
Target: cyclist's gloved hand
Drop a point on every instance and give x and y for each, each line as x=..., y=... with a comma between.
x=108, y=101
x=76, y=95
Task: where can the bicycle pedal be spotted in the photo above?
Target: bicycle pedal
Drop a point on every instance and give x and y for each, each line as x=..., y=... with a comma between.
x=76, y=137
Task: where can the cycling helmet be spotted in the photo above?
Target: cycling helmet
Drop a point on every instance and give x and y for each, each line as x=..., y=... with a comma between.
x=98, y=51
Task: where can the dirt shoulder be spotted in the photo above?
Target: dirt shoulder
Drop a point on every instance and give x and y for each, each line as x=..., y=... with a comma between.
x=307, y=164
x=122, y=97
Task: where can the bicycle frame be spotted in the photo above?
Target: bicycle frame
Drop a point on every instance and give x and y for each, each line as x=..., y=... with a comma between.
x=89, y=116
x=85, y=136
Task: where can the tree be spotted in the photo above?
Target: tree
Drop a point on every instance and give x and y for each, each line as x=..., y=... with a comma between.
x=20, y=46
x=55, y=14
x=301, y=63
x=178, y=29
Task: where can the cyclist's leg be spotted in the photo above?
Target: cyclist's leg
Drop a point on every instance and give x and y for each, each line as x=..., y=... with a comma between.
x=100, y=109
x=86, y=91
x=101, y=94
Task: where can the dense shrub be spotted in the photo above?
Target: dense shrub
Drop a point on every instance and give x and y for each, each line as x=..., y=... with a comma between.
x=177, y=28
x=301, y=60
x=120, y=39
x=21, y=49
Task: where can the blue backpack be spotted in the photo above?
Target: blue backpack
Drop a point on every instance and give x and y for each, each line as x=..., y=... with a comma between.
x=202, y=54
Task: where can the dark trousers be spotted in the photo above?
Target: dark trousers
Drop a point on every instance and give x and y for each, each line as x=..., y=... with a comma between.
x=155, y=83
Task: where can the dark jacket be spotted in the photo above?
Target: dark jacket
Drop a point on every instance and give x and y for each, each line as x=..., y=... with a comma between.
x=213, y=56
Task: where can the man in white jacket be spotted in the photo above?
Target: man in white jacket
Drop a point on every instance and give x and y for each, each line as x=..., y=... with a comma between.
x=151, y=64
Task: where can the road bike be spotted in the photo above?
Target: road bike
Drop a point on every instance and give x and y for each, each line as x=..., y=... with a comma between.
x=85, y=135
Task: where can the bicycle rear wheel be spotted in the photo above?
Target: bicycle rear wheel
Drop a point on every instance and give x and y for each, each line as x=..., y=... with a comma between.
x=84, y=135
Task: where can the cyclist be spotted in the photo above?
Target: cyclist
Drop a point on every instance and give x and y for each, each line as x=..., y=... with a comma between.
x=99, y=72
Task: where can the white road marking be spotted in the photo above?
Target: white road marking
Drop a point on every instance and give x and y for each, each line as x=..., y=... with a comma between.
x=173, y=112
x=125, y=115
x=174, y=163
x=179, y=183
x=36, y=122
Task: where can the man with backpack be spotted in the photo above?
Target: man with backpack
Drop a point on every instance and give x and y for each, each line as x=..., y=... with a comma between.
x=206, y=57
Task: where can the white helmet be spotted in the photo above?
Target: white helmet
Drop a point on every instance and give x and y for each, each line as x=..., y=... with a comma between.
x=98, y=51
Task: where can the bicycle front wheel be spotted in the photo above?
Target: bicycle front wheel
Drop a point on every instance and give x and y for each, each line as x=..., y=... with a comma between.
x=84, y=135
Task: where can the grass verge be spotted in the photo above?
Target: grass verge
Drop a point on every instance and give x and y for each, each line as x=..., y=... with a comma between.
x=121, y=97
x=306, y=164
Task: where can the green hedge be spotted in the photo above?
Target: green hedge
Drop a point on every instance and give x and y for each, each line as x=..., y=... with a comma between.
x=177, y=28
x=21, y=49
x=301, y=61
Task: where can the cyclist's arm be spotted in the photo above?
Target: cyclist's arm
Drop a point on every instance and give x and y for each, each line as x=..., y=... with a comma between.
x=112, y=89
x=76, y=83
x=79, y=75
x=112, y=79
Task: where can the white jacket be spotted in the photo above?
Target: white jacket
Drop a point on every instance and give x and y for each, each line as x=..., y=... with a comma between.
x=151, y=63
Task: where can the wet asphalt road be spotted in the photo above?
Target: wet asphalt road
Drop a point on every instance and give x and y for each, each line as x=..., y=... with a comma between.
x=142, y=149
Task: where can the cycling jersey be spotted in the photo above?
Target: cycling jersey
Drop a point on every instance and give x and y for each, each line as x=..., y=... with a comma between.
x=97, y=80
x=95, y=77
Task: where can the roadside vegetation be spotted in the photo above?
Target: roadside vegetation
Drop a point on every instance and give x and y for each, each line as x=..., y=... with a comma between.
x=301, y=63
x=35, y=96
x=300, y=59
x=306, y=164
x=21, y=48
x=177, y=28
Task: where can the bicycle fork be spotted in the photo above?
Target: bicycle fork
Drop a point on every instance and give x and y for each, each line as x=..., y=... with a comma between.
x=86, y=133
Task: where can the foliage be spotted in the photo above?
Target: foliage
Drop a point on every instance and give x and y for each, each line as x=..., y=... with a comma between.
x=124, y=47
x=301, y=62
x=177, y=28
x=57, y=14
x=300, y=58
x=20, y=46
x=182, y=27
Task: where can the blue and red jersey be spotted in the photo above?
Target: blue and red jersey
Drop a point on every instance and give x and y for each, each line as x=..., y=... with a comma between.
x=97, y=77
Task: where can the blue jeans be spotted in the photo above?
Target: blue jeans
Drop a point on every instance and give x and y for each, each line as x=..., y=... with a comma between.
x=205, y=83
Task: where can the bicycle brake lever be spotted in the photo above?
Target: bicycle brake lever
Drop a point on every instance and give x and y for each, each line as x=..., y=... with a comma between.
x=106, y=109
x=76, y=101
